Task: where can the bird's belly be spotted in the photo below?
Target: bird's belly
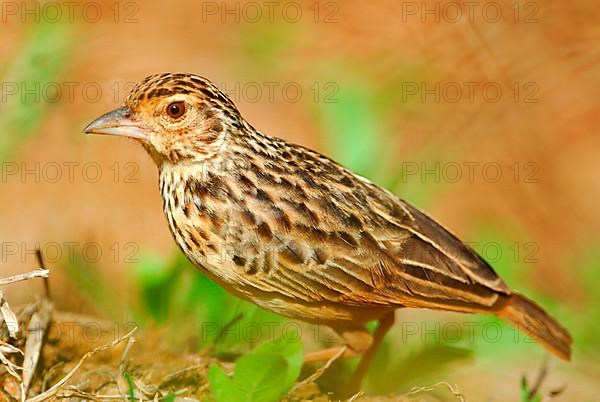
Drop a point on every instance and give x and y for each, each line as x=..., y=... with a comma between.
x=217, y=264
x=335, y=314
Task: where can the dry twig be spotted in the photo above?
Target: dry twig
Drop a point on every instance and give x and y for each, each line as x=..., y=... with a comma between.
x=38, y=324
x=59, y=385
x=38, y=273
x=453, y=389
x=9, y=317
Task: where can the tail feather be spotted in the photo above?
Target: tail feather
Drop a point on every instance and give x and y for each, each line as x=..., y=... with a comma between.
x=532, y=320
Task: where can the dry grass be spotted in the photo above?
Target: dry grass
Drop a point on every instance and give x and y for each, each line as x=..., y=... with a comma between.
x=53, y=355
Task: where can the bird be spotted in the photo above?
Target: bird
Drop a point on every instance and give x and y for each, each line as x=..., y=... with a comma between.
x=298, y=234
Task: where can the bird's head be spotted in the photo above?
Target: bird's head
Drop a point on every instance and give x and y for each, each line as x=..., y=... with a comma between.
x=176, y=117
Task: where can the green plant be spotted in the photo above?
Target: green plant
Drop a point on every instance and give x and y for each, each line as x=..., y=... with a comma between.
x=265, y=374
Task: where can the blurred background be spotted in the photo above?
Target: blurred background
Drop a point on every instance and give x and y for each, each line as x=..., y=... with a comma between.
x=483, y=114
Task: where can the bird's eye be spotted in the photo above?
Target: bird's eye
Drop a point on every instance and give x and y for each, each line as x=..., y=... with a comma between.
x=176, y=109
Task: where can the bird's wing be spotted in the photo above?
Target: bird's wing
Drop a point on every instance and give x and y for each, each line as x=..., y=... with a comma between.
x=417, y=261
x=404, y=259
x=432, y=263
x=323, y=233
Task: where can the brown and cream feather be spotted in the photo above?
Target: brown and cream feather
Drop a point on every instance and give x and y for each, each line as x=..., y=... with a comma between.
x=301, y=235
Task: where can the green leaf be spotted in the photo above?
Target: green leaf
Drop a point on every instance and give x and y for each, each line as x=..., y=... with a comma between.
x=290, y=348
x=524, y=390
x=129, y=381
x=170, y=397
x=264, y=375
x=220, y=384
x=526, y=393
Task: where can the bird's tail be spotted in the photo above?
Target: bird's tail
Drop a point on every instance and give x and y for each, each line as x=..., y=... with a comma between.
x=532, y=320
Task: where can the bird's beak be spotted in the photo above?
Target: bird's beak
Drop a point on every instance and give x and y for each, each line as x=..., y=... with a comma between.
x=118, y=122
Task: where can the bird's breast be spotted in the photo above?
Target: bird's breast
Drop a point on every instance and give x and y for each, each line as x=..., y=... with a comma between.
x=204, y=223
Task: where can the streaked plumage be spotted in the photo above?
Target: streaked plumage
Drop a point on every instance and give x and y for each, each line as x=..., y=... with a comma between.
x=299, y=234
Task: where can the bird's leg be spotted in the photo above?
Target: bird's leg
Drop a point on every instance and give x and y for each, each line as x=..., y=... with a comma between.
x=384, y=326
x=357, y=341
x=326, y=354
